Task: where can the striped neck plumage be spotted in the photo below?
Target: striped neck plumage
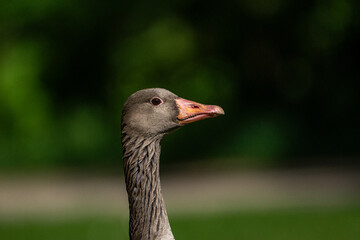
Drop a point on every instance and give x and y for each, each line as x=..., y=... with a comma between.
x=148, y=216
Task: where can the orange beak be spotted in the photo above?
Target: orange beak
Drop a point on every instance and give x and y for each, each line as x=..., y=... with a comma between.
x=190, y=111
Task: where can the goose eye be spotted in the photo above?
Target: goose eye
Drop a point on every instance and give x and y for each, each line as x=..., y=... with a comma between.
x=156, y=101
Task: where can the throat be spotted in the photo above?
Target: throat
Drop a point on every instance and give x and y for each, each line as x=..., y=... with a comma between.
x=148, y=216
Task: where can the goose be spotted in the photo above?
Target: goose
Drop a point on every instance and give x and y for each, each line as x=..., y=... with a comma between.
x=147, y=116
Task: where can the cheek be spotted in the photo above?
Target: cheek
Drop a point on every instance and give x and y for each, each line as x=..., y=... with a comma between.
x=166, y=116
x=170, y=111
x=138, y=122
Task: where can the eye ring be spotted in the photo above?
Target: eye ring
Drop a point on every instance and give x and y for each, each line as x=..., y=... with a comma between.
x=156, y=101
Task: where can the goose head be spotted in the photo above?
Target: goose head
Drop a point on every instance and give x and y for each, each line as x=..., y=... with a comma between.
x=157, y=111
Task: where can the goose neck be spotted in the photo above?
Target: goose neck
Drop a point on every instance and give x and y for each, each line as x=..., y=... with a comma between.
x=148, y=216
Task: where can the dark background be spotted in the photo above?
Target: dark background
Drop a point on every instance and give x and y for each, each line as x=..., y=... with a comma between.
x=285, y=72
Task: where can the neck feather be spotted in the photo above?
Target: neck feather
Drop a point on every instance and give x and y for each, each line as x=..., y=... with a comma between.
x=148, y=217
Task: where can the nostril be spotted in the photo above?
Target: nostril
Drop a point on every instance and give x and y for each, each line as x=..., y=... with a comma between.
x=194, y=106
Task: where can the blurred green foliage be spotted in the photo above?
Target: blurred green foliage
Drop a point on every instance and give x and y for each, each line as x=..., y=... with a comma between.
x=286, y=74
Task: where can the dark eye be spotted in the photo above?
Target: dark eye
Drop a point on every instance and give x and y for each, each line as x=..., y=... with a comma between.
x=156, y=101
